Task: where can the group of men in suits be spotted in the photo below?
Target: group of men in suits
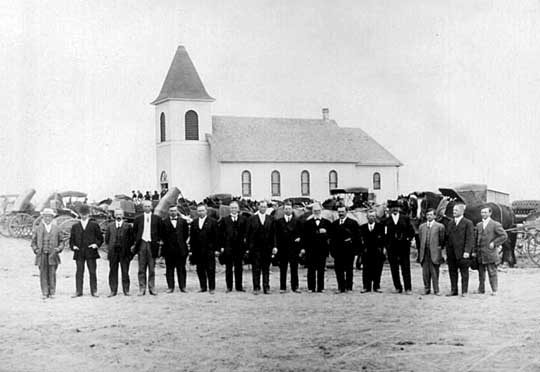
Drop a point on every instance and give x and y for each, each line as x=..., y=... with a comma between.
x=464, y=244
x=263, y=240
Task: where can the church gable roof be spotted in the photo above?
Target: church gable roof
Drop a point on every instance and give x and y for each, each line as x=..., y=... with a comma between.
x=182, y=80
x=251, y=139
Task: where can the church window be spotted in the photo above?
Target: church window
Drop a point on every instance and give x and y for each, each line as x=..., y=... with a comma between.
x=376, y=181
x=304, y=183
x=192, y=126
x=276, y=183
x=162, y=128
x=246, y=183
x=332, y=180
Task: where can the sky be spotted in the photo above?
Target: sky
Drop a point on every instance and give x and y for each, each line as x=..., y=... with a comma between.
x=452, y=89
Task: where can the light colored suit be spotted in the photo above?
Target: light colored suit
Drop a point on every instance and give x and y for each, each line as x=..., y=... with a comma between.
x=430, y=253
x=436, y=241
x=47, y=256
x=488, y=257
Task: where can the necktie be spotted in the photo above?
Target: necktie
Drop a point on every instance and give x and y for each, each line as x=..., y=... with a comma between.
x=370, y=228
x=234, y=219
x=341, y=222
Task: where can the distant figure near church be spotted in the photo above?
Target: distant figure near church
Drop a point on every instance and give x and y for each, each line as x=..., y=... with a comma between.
x=47, y=246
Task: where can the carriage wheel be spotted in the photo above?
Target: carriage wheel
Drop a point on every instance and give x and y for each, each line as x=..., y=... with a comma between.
x=64, y=225
x=20, y=225
x=533, y=249
x=4, y=230
x=36, y=223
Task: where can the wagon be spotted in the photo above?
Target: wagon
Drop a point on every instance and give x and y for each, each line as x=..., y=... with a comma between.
x=528, y=238
x=19, y=217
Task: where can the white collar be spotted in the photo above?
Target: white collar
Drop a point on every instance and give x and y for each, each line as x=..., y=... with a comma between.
x=458, y=219
x=48, y=226
x=486, y=221
x=118, y=223
x=234, y=215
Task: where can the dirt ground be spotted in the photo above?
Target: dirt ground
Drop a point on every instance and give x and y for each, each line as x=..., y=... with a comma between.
x=243, y=332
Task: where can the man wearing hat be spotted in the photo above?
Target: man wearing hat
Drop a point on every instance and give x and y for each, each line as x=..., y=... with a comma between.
x=85, y=239
x=399, y=233
x=47, y=246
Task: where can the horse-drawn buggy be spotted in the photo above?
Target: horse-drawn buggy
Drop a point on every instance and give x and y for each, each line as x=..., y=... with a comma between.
x=19, y=215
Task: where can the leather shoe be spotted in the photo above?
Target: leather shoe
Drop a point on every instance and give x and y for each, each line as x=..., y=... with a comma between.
x=240, y=290
x=95, y=295
x=377, y=291
x=76, y=295
x=451, y=294
x=141, y=294
x=111, y=295
x=397, y=291
x=228, y=290
x=126, y=294
x=256, y=292
x=297, y=291
x=364, y=291
x=183, y=290
x=44, y=297
x=282, y=291
x=408, y=292
x=170, y=290
x=211, y=291
x=201, y=290
x=427, y=292
x=153, y=293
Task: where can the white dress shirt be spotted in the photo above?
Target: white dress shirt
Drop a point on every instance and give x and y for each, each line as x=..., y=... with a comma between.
x=262, y=218
x=118, y=224
x=147, y=228
x=288, y=218
x=458, y=220
x=173, y=222
x=234, y=217
x=371, y=226
x=485, y=222
x=341, y=221
x=48, y=227
x=84, y=223
x=395, y=218
x=201, y=222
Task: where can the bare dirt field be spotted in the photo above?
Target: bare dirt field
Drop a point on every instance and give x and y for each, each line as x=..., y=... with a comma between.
x=243, y=332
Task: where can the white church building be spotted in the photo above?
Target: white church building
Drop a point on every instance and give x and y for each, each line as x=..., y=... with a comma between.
x=259, y=158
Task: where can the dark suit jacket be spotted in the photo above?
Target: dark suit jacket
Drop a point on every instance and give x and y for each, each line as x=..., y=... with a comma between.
x=203, y=242
x=233, y=236
x=174, y=239
x=372, y=242
x=261, y=238
x=314, y=241
x=83, y=238
x=155, y=233
x=286, y=236
x=399, y=234
x=119, y=242
x=459, y=239
x=345, y=239
x=493, y=233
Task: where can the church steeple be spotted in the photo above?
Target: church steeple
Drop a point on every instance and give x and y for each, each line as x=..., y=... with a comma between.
x=182, y=81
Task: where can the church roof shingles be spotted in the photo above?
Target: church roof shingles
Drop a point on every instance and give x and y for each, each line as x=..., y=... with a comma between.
x=182, y=81
x=252, y=139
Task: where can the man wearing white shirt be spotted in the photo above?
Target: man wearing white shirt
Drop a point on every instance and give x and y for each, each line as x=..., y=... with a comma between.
x=146, y=229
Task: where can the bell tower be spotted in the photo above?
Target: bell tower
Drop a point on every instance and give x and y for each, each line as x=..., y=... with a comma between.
x=182, y=121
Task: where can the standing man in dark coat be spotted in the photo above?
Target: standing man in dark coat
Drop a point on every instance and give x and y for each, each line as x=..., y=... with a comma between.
x=373, y=240
x=345, y=242
x=459, y=246
x=261, y=240
x=399, y=233
x=85, y=239
x=489, y=236
x=233, y=246
x=146, y=229
x=315, y=243
x=119, y=239
x=204, y=248
x=288, y=245
x=175, y=234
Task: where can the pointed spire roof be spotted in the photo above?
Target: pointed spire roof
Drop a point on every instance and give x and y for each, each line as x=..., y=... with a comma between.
x=182, y=81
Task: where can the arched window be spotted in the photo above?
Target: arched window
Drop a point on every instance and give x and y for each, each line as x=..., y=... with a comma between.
x=376, y=181
x=275, y=179
x=332, y=180
x=246, y=183
x=304, y=183
x=162, y=129
x=192, y=126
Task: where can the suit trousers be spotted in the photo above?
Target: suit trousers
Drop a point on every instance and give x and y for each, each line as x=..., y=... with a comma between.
x=259, y=266
x=79, y=275
x=492, y=273
x=372, y=266
x=315, y=274
x=344, y=267
x=283, y=265
x=234, y=265
x=146, y=262
x=399, y=258
x=463, y=267
x=430, y=274
x=47, y=276
x=113, y=274
x=177, y=263
x=206, y=271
